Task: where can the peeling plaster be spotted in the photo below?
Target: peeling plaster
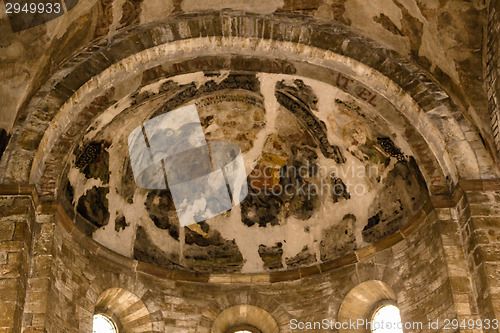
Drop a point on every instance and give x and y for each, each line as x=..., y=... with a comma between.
x=295, y=234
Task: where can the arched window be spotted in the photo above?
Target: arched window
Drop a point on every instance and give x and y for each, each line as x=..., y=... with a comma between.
x=367, y=301
x=386, y=319
x=245, y=318
x=124, y=310
x=243, y=329
x=104, y=324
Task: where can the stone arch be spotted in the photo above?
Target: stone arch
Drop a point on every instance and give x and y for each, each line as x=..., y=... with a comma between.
x=124, y=299
x=245, y=314
x=249, y=307
x=126, y=309
x=362, y=301
x=370, y=269
x=411, y=91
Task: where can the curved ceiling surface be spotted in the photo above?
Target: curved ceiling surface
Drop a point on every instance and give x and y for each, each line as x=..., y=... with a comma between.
x=324, y=174
x=340, y=140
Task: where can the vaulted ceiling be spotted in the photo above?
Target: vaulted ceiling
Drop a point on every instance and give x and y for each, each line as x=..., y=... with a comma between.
x=383, y=101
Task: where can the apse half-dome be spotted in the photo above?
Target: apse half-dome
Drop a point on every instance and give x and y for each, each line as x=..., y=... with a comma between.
x=326, y=175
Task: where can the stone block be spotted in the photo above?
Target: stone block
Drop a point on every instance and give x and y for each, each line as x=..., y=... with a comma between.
x=490, y=253
x=15, y=258
x=6, y=230
x=3, y=258
x=34, y=330
x=36, y=307
x=487, y=222
x=485, y=210
x=453, y=252
x=9, y=294
x=30, y=139
x=42, y=265
x=39, y=284
x=39, y=320
x=11, y=246
x=7, y=312
x=460, y=284
x=9, y=271
x=478, y=197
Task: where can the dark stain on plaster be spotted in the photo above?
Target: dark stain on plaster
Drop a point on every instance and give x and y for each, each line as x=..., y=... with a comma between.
x=291, y=97
x=126, y=188
x=387, y=24
x=260, y=208
x=339, y=189
x=93, y=161
x=338, y=239
x=223, y=258
x=69, y=192
x=403, y=195
x=213, y=237
x=121, y=223
x=413, y=28
x=4, y=140
x=104, y=17
x=93, y=206
x=182, y=94
x=146, y=251
x=271, y=256
x=161, y=209
x=390, y=148
x=373, y=221
x=131, y=11
x=303, y=258
x=292, y=196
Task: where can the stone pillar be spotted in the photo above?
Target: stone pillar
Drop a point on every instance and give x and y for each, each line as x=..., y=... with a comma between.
x=17, y=215
x=40, y=275
x=492, y=69
x=462, y=291
x=481, y=231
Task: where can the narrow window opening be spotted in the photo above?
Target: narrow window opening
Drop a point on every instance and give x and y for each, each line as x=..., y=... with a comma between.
x=104, y=324
x=243, y=329
x=387, y=319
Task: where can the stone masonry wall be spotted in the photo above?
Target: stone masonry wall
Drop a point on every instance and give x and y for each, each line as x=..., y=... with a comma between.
x=481, y=231
x=461, y=283
x=53, y=284
x=16, y=223
x=491, y=68
x=423, y=259
x=40, y=275
x=417, y=268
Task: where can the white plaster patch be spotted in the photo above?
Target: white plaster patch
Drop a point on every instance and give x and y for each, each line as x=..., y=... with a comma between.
x=361, y=14
x=266, y=7
x=154, y=10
